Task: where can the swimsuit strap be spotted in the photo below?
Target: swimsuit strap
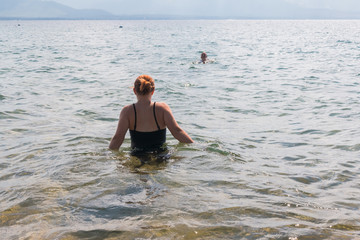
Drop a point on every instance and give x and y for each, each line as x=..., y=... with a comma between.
x=135, y=116
x=155, y=117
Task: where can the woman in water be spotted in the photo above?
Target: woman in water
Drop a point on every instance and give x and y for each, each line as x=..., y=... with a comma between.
x=146, y=120
x=203, y=57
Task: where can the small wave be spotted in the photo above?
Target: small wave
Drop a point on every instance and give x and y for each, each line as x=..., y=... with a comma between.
x=107, y=119
x=97, y=234
x=20, y=130
x=44, y=69
x=321, y=106
x=311, y=78
x=301, y=51
x=344, y=41
x=254, y=140
x=86, y=138
x=10, y=114
x=23, y=209
x=242, y=111
x=61, y=58
x=5, y=70
x=290, y=144
x=346, y=227
x=116, y=212
x=215, y=148
x=307, y=179
x=284, y=114
x=294, y=158
x=85, y=113
x=310, y=131
x=349, y=148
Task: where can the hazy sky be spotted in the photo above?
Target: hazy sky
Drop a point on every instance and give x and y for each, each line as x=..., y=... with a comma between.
x=342, y=5
x=201, y=7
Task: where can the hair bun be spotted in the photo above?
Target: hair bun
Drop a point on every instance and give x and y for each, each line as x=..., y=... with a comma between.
x=144, y=84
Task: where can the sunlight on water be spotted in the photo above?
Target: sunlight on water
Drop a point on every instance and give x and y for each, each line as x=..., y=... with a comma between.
x=275, y=117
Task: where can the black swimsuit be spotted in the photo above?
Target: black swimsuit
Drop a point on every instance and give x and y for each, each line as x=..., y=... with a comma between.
x=147, y=141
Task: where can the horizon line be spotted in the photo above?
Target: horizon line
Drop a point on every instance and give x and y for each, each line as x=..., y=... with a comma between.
x=179, y=17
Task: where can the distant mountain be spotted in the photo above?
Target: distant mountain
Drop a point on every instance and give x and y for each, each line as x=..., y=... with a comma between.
x=164, y=9
x=37, y=9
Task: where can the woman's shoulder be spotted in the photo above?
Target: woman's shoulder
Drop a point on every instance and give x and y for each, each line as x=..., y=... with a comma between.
x=162, y=105
x=130, y=106
x=126, y=109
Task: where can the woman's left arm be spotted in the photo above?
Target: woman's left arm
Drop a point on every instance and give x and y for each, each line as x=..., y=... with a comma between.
x=123, y=126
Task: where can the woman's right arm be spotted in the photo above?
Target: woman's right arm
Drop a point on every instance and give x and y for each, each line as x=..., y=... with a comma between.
x=174, y=127
x=123, y=126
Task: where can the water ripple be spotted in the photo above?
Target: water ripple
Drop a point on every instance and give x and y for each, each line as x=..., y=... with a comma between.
x=274, y=117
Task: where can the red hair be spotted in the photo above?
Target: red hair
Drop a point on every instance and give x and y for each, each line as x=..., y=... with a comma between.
x=144, y=85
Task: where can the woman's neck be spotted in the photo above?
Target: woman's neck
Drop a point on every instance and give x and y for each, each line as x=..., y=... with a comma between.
x=144, y=100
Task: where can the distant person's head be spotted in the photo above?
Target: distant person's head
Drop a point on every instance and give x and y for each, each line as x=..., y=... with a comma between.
x=144, y=85
x=203, y=57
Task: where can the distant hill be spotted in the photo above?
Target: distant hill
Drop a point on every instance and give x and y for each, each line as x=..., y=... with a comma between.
x=37, y=9
x=184, y=9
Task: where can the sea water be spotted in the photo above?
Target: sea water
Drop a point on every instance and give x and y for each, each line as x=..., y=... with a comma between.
x=274, y=115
